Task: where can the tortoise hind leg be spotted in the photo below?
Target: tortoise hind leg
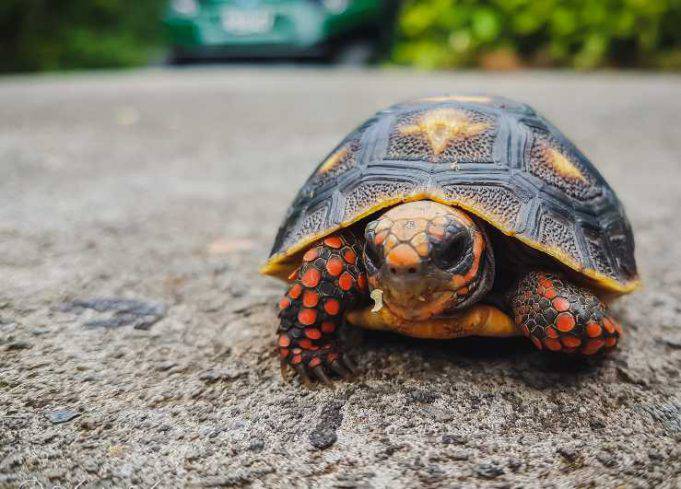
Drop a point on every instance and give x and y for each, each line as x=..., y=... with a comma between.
x=560, y=316
x=330, y=281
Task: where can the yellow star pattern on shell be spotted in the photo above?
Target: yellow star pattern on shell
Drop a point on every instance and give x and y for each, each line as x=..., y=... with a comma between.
x=332, y=161
x=440, y=127
x=563, y=166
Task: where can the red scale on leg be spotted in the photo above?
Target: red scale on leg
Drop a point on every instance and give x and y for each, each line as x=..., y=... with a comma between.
x=307, y=316
x=284, y=341
x=295, y=291
x=311, y=278
x=565, y=322
x=334, y=266
x=350, y=256
x=310, y=298
x=331, y=306
x=313, y=333
x=334, y=242
x=345, y=281
x=311, y=254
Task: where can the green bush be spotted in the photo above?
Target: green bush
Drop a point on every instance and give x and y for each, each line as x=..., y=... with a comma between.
x=63, y=34
x=577, y=33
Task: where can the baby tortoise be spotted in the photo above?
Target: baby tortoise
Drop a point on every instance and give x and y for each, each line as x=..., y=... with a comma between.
x=458, y=215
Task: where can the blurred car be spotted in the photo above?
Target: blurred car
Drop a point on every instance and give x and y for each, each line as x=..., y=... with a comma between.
x=275, y=28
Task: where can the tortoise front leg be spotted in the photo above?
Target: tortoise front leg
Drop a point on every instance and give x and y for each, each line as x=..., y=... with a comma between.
x=561, y=316
x=330, y=281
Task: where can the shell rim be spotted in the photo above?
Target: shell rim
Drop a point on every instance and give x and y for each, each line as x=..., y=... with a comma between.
x=277, y=266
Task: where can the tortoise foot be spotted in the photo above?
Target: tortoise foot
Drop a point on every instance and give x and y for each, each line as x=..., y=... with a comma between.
x=560, y=316
x=316, y=365
x=329, y=282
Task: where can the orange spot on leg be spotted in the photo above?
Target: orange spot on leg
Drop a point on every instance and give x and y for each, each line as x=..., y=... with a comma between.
x=310, y=298
x=550, y=293
x=311, y=278
x=561, y=304
x=608, y=325
x=310, y=254
x=295, y=291
x=552, y=344
x=313, y=333
x=345, y=281
x=565, y=322
x=334, y=266
x=284, y=303
x=593, y=330
x=334, y=242
x=284, y=341
x=332, y=306
x=314, y=362
x=350, y=257
x=307, y=316
x=551, y=333
x=545, y=282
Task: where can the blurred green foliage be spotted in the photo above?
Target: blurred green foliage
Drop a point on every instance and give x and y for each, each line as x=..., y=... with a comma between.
x=63, y=34
x=582, y=34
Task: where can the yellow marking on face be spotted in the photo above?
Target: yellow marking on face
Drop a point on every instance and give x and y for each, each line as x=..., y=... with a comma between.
x=332, y=161
x=479, y=99
x=440, y=127
x=420, y=244
x=390, y=242
x=563, y=166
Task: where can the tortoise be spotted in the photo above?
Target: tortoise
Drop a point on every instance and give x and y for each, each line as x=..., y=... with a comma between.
x=458, y=215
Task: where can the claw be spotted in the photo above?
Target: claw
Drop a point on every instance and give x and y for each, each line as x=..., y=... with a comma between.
x=340, y=369
x=283, y=368
x=349, y=363
x=303, y=374
x=321, y=375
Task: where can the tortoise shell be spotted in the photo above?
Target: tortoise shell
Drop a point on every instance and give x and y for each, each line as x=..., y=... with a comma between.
x=493, y=157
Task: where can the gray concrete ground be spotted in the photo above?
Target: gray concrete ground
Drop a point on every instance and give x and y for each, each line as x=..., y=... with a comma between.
x=162, y=190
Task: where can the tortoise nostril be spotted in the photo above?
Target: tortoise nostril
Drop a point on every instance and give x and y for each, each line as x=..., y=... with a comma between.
x=393, y=270
x=412, y=270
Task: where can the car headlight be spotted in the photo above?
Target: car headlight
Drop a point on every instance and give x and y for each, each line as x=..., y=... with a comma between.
x=184, y=7
x=336, y=6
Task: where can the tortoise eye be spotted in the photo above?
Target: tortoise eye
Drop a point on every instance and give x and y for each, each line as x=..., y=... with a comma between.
x=371, y=256
x=453, y=252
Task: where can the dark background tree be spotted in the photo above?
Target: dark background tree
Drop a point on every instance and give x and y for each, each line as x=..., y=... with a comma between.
x=64, y=34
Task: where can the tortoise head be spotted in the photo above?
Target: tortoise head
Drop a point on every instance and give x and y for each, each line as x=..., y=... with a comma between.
x=428, y=259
